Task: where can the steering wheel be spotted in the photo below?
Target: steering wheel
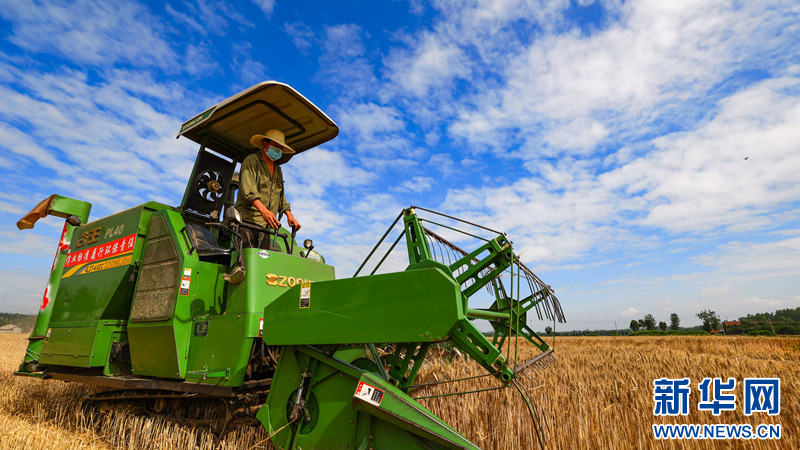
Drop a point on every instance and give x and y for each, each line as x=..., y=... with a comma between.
x=208, y=185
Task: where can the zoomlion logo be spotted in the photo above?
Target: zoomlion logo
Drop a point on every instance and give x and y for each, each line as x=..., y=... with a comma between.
x=284, y=281
x=197, y=119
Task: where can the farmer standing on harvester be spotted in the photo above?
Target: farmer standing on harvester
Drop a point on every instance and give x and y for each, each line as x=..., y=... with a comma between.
x=261, y=197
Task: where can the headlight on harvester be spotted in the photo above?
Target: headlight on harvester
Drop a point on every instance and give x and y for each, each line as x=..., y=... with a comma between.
x=313, y=255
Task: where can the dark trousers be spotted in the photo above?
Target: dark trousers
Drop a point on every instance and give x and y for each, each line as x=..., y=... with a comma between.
x=257, y=239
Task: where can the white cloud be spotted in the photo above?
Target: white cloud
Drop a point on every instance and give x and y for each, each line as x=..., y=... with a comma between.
x=377, y=132
x=731, y=171
x=89, y=32
x=659, y=56
x=762, y=302
x=197, y=60
x=694, y=181
x=267, y=6
x=249, y=70
x=578, y=135
x=749, y=261
x=206, y=17
x=344, y=63
x=302, y=36
x=312, y=181
x=432, y=65
x=101, y=140
x=416, y=184
x=715, y=292
x=322, y=169
x=442, y=162
x=21, y=291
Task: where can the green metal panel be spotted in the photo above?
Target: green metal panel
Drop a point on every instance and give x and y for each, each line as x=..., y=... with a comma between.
x=218, y=350
x=155, y=352
x=335, y=421
x=80, y=346
x=398, y=409
x=412, y=306
x=95, y=288
x=70, y=346
x=269, y=275
x=209, y=296
x=159, y=347
x=117, y=367
x=96, y=282
x=333, y=417
x=104, y=336
x=60, y=207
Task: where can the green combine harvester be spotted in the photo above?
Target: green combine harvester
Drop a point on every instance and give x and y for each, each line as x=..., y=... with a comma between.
x=162, y=305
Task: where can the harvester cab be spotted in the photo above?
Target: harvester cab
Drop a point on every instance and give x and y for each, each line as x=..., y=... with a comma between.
x=164, y=303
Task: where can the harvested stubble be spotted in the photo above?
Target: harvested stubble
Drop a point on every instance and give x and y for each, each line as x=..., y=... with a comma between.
x=48, y=415
x=600, y=395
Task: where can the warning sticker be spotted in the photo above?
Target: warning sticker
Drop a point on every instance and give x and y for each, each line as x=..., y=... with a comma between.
x=186, y=281
x=305, y=295
x=264, y=254
x=187, y=272
x=369, y=394
x=260, y=326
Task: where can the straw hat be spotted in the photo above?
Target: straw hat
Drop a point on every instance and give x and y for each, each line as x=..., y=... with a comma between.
x=272, y=135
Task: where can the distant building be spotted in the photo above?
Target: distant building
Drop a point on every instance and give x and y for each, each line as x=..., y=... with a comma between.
x=10, y=328
x=733, y=323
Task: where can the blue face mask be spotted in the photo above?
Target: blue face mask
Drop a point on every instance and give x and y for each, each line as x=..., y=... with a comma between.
x=274, y=153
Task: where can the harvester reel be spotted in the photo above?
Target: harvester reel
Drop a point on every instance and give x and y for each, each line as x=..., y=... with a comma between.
x=501, y=326
x=512, y=307
x=208, y=185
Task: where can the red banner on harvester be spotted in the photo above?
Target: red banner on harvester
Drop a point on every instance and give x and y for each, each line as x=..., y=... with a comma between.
x=102, y=251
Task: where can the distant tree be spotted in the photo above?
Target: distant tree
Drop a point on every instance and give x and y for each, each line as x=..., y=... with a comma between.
x=793, y=314
x=548, y=330
x=641, y=324
x=674, y=321
x=662, y=325
x=634, y=325
x=650, y=322
x=710, y=319
x=762, y=319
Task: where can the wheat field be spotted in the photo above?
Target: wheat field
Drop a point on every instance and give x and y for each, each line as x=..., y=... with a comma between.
x=599, y=395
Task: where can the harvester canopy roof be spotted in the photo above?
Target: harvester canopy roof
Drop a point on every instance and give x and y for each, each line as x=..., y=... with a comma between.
x=228, y=126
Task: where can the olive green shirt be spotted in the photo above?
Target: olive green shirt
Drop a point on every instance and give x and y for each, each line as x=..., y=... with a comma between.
x=255, y=182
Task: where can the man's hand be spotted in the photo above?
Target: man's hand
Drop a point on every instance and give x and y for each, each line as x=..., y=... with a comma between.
x=270, y=218
x=292, y=221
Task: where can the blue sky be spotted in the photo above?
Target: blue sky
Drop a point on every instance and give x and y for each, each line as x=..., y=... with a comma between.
x=644, y=155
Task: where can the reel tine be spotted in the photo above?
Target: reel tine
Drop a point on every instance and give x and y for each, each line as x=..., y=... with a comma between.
x=541, y=361
x=530, y=380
